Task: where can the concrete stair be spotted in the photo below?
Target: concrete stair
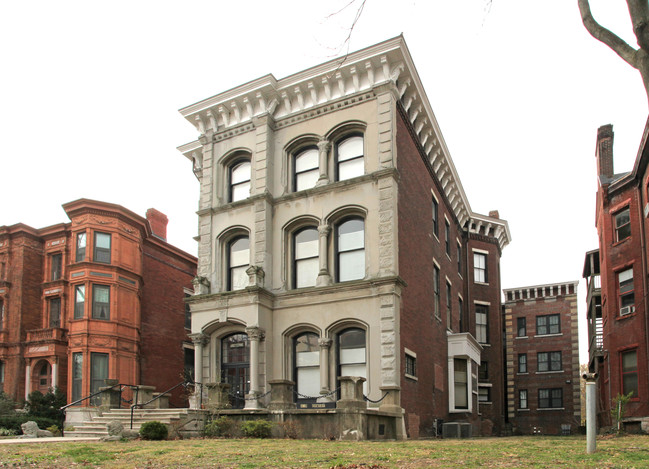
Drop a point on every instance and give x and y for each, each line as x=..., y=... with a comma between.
x=97, y=426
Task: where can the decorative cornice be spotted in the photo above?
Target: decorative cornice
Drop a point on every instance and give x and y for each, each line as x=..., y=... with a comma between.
x=343, y=79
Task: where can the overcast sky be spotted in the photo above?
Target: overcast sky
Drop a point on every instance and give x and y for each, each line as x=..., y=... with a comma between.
x=89, y=93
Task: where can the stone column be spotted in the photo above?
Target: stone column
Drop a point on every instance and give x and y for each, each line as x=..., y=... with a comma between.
x=55, y=373
x=324, y=278
x=325, y=344
x=28, y=380
x=591, y=412
x=255, y=334
x=323, y=151
x=351, y=393
x=198, y=340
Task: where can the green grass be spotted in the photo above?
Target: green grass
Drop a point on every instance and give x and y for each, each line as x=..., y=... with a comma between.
x=531, y=452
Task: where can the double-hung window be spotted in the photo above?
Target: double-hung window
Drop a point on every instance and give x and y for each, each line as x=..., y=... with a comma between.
x=435, y=217
x=80, y=254
x=239, y=180
x=350, y=250
x=238, y=263
x=449, y=317
x=79, y=301
x=102, y=248
x=481, y=324
x=625, y=287
x=305, y=257
x=522, y=399
x=551, y=398
x=349, y=158
x=522, y=363
x=101, y=302
x=549, y=324
x=461, y=383
x=56, y=266
x=548, y=361
x=521, y=327
x=307, y=365
x=630, y=372
x=55, y=312
x=436, y=291
x=447, y=235
x=480, y=267
x=622, y=225
x=306, y=171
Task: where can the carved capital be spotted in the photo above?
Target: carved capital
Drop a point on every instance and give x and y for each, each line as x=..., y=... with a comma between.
x=255, y=333
x=324, y=342
x=201, y=285
x=199, y=339
x=256, y=275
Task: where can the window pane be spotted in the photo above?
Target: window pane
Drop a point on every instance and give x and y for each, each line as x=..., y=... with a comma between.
x=306, y=244
x=306, y=160
x=349, y=148
x=351, y=169
x=352, y=355
x=240, y=252
x=102, y=240
x=352, y=265
x=239, y=279
x=461, y=383
x=629, y=361
x=351, y=235
x=306, y=272
x=79, y=301
x=240, y=173
x=308, y=381
x=306, y=180
x=240, y=191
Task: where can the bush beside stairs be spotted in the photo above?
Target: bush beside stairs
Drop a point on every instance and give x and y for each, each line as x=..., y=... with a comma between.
x=180, y=422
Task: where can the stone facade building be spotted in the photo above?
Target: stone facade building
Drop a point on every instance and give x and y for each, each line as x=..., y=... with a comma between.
x=542, y=356
x=100, y=297
x=618, y=314
x=335, y=239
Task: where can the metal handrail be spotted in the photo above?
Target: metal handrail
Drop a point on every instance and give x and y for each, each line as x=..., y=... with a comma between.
x=122, y=386
x=142, y=404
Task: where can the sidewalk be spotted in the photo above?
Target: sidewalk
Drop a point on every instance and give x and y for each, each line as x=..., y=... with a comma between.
x=54, y=439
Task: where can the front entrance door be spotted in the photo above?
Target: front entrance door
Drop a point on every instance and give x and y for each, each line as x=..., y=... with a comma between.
x=235, y=367
x=44, y=382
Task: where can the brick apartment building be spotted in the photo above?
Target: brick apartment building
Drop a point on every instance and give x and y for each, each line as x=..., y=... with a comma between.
x=335, y=239
x=99, y=297
x=542, y=356
x=618, y=314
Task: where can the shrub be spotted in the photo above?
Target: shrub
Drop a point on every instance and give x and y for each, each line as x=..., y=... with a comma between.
x=154, y=430
x=54, y=429
x=14, y=422
x=290, y=429
x=223, y=427
x=7, y=405
x=7, y=432
x=46, y=405
x=257, y=428
x=69, y=428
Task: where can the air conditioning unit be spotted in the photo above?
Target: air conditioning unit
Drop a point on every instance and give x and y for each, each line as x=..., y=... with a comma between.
x=627, y=310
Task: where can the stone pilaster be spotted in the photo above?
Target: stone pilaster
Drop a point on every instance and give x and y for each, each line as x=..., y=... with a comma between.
x=324, y=277
x=323, y=162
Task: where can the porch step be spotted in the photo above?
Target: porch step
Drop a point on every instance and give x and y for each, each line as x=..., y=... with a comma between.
x=97, y=427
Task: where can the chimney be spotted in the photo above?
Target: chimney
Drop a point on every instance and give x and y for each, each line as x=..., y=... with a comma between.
x=494, y=214
x=604, y=151
x=158, y=222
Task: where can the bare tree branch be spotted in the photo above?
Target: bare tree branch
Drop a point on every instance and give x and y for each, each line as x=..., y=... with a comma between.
x=639, y=13
x=621, y=48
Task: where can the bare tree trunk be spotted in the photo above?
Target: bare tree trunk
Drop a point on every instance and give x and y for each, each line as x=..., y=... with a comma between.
x=637, y=58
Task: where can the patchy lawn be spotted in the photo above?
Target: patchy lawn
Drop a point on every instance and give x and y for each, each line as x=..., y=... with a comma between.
x=550, y=452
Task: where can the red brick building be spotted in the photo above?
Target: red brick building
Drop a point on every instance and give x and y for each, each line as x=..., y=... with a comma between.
x=100, y=297
x=618, y=314
x=542, y=355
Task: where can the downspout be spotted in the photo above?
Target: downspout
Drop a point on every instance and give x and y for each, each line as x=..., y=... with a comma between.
x=644, y=267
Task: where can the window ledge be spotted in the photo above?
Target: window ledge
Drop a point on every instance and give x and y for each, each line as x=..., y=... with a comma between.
x=521, y=337
x=617, y=243
x=485, y=402
x=523, y=410
x=481, y=283
x=414, y=378
x=485, y=344
x=626, y=316
x=551, y=408
x=524, y=373
x=549, y=335
x=548, y=372
x=484, y=384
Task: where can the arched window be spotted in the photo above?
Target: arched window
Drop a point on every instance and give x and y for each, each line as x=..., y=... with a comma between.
x=238, y=262
x=306, y=353
x=305, y=257
x=349, y=157
x=305, y=169
x=239, y=180
x=350, y=249
x=351, y=353
x=235, y=367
